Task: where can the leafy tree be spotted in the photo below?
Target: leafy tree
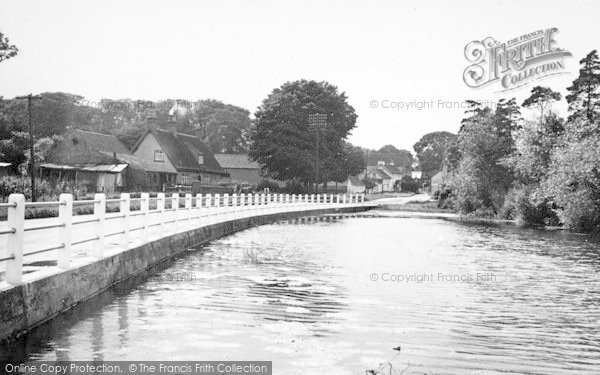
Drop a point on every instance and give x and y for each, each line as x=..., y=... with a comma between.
x=7, y=50
x=584, y=97
x=542, y=98
x=533, y=148
x=281, y=140
x=402, y=159
x=350, y=161
x=223, y=127
x=481, y=180
x=432, y=151
x=573, y=182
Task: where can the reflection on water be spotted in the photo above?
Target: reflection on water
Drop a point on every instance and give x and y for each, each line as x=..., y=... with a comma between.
x=464, y=300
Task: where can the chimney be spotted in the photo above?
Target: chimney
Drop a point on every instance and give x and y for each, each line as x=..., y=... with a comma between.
x=171, y=126
x=151, y=119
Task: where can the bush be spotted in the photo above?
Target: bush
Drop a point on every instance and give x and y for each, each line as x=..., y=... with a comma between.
x=45, y=190
x=294, y=187
x=445, y=199
x=521, y=204
x=268, y=184
x=407, y=184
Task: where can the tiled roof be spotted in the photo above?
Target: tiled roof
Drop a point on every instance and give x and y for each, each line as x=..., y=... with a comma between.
x=183, y=149
x=392, y=169
x=236, y=161
x=383, y=175
x=355, y=181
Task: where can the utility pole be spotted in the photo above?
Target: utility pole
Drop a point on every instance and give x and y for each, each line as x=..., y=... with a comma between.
x=29, y=98
x=317, y=122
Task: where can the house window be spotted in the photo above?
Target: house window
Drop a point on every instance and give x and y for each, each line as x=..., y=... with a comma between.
x=159, y=156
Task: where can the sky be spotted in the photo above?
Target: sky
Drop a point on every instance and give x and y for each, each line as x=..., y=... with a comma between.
x=378, y=53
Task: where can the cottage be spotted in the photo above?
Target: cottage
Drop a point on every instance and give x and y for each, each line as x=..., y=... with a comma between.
x=241, y=169
x=100, y=162
x=438, y=180
x=355, y=186
x=393, y=172
x=383, y=181
x=182, y=158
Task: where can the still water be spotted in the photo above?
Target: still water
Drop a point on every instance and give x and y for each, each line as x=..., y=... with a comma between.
x=335, y=295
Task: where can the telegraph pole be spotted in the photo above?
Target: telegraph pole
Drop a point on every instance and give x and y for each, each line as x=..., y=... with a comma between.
x=317, y=122
x=29, y=98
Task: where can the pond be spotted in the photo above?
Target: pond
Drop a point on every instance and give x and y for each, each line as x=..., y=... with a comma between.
x=337, y=294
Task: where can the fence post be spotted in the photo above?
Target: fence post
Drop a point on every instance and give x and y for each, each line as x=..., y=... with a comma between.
x=145, y=210
x=293, y=198
x=208, y=200
x=124, y=210
x=337, y=198
x=65, y=216
x=263, y=199
x=16, y=221
x=188, y=210
x=175, y=207
x=226, y=202
x=99, y=216
x=199, y=204
x=234, y=200
x=344, y=199
x=160, y=206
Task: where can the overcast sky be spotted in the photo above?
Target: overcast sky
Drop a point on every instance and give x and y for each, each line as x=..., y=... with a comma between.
x=239, y=51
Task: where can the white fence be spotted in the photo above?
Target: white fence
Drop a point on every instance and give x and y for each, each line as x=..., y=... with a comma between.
x=170, y=214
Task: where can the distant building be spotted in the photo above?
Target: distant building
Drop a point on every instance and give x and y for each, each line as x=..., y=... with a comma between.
x=240, y=168
x=438, y=180
x=386, y=176
x=182, y=158
x=355, y=186
x=100, y=162
x=4, y=169
x=383, y=181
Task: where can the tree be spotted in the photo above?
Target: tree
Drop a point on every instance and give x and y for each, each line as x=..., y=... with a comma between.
x=349, y=162
x=542, y=98
x=281, y=140
x=223, y=127
x=573, y=182
x=7, y=50
x=402, y=159
x=432, y=151
x=481, y=180
x=533, y=148
x=584, y=97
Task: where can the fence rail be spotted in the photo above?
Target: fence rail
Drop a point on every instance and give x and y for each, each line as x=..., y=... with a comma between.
x=180, y=213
